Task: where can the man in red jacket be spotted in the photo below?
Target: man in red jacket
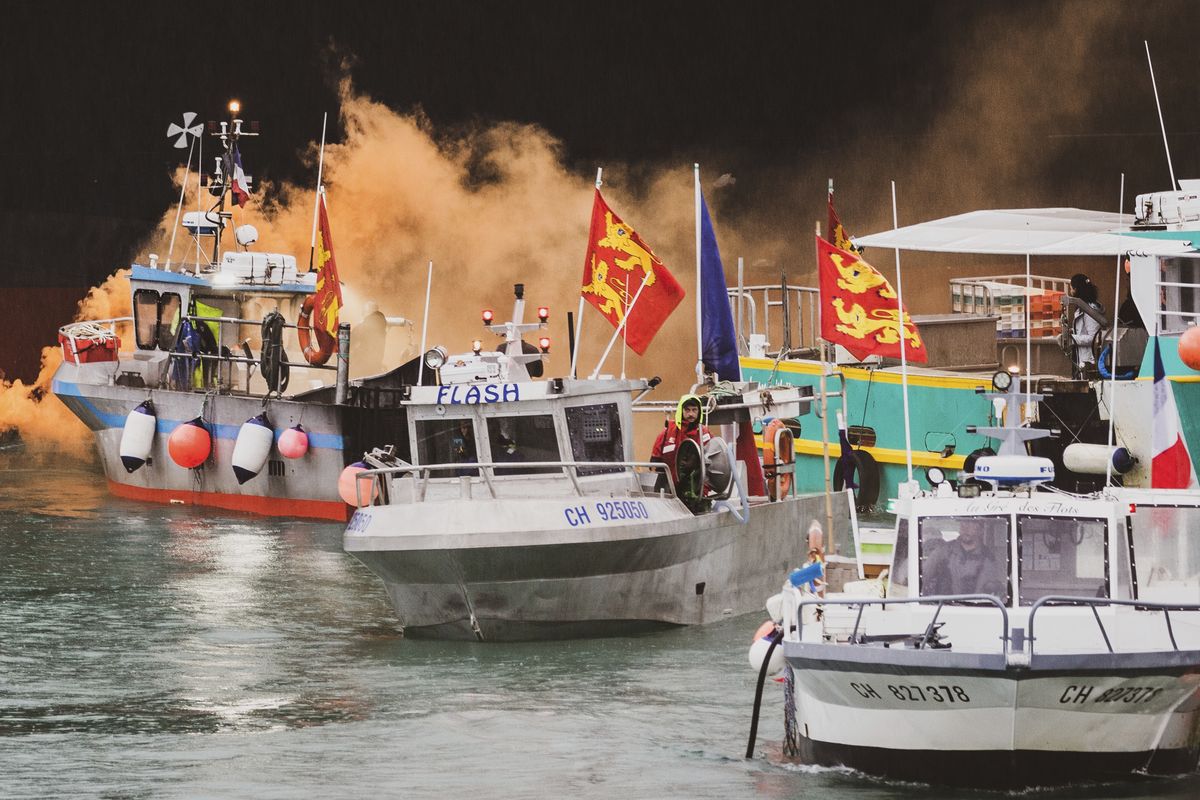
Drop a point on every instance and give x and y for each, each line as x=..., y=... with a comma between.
x=686, y=425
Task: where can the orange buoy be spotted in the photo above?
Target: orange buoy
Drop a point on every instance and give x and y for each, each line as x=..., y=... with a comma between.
x=1189, y=347
x=190, y=443
x=350, y=486
x=764, y=631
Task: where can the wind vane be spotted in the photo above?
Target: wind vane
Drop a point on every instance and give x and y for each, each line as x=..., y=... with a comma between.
x=185, y=130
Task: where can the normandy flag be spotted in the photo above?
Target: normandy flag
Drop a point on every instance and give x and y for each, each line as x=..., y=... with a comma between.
x=620, y=268
x=1170, y=465
x=327, y=300
x=837, y=231
x=859, y=308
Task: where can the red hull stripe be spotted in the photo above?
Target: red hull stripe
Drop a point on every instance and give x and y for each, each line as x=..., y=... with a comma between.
x=255, y=504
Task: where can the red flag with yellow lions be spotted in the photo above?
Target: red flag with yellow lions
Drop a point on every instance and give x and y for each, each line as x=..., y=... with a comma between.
x=837, y=231
x=617, y=267
x=859, y=308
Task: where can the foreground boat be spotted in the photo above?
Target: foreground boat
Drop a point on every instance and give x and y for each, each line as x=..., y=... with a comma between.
x=207, y=408
x=513, y=510
x=1024, y=637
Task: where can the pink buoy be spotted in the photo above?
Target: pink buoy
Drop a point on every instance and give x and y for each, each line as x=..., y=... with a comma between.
x=1189, y=347
x=189, y=444
x=765, y=631
x=293, y=443
x=349, y=484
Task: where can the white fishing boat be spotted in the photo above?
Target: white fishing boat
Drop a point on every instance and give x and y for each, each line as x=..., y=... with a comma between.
x=521, y=514
x=1024, y=636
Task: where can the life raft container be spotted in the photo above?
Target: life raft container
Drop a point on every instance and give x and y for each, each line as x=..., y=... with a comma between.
x=779, y=453
x=316, y=344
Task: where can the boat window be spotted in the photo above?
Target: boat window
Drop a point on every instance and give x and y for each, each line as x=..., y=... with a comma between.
x=168, y=319
x=1180, y=303
x=1166, y=553
x=145, y=318
x=1122, y=587
x=1062, y=556
x=965, y=555
x=595, y=433
x=898, y=577
x=523, y=438
x=447, y=441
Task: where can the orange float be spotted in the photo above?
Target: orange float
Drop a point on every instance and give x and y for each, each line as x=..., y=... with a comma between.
x=316, y=344
x=190, y=443
x=1189, y=347
x=778, y=451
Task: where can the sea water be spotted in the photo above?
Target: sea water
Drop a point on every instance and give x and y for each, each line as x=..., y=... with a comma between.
x=168, y=651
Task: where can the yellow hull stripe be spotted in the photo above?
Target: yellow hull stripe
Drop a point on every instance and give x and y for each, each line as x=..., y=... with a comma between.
x=884, y=455
x=915, y=378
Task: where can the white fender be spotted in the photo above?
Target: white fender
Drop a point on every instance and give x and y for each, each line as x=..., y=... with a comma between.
x=137, y=437
x=252, y=447
x=758, y=651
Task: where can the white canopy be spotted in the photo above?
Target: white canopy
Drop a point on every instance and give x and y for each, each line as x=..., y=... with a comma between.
x=1033, y=231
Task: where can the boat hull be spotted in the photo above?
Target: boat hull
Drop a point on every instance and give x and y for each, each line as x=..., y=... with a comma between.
x=517, y=570
x=979, y=721
x=304, y=487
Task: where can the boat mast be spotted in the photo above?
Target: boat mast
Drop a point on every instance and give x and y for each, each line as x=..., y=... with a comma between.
x=229, y=134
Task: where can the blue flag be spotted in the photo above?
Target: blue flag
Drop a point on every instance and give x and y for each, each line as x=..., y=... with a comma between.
x=719, y=340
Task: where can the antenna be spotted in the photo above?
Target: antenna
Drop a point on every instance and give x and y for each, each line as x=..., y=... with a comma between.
x=1161, y=126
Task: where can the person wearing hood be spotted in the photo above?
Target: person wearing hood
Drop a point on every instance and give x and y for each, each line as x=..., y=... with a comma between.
x=686, y=425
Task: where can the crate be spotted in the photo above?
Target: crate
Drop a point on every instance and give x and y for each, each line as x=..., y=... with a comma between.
x=1020, y=306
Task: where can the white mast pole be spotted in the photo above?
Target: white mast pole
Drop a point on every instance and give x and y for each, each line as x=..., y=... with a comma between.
x=1112, y=380
x=316, y=200
x=1028, y=333
x=579, y=316
x=618, y=332
x=903, y=350
x=1158, y=105
x=424, y=325
x=699, y=333
x=182, y=196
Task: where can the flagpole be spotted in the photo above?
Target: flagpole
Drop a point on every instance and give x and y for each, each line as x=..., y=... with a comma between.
x=1028, y=336
x=424, y=326
x=824, y=399
x=699, y=333
x=579, y=316
x=1112, y=382
x=903, y=349
x=320, y=170
x=618, y=332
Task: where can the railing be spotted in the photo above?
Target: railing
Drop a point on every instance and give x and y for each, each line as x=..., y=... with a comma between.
x=1096, y=602
x=797, y=311
x=382, y=480
x=928, y=635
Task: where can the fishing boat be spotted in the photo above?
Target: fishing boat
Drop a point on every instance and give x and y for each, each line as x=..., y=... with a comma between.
x=208, y=407
x=1025, y=636
x=1002, y=321
x=512, y=507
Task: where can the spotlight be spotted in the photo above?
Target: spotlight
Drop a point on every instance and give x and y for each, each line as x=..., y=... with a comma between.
x=436, y=357
x=476, y=346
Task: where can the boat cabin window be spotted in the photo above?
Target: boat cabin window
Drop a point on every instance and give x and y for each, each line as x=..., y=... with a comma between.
x=447, y=441
x=1061, y=556
x=155, y=318
x=517, y=439
x=1166, y=553
x=898, y=577
x=1180, y=303
x=965, y=555
x=595, y=433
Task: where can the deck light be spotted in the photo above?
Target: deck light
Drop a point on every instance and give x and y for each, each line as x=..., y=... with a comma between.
x=476, y=346
x=544, y=344
x=1002, y=380
x=935, y=475
x=488, y=316
x=543, y=314
x=436, y=357
x=234, y=106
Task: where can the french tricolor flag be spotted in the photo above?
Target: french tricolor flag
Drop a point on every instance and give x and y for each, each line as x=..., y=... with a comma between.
x=1171, y=467
x=239, y=184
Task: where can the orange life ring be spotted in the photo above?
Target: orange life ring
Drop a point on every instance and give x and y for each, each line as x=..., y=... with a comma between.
x=325, y=345
x=778, y=450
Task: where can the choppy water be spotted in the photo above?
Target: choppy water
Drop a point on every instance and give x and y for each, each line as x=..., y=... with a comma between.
x=162, y=651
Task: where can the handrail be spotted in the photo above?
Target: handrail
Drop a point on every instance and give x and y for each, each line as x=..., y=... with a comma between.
x=941, y=601
x=1096, y=602
x=111, y=321
x=488, y=471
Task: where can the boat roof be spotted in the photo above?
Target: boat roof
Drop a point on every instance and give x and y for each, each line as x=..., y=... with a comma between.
x=1034, y=231
x=142, y=274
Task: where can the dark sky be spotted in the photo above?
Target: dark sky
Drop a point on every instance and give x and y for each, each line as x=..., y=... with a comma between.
x=780, y=94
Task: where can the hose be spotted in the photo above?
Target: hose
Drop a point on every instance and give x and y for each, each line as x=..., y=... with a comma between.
x=776, y=638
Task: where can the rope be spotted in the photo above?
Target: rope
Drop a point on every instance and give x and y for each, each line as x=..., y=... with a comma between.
x=776, y=638
x=791, y=732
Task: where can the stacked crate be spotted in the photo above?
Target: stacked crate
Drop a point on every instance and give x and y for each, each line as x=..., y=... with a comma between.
x=1010, y=300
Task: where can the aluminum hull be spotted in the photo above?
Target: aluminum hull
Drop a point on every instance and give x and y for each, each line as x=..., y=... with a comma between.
x=509, y=569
